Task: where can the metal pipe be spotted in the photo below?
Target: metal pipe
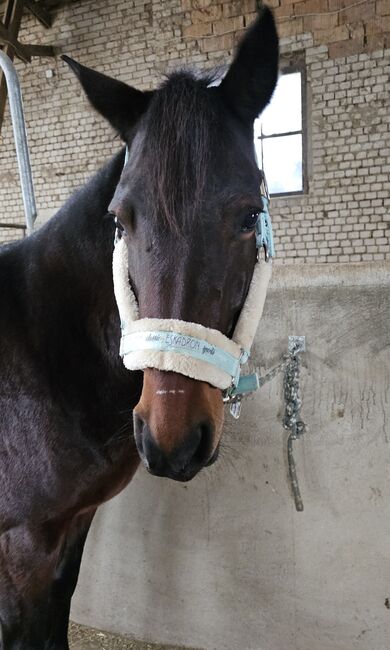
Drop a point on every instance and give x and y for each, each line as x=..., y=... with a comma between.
x=20, y=137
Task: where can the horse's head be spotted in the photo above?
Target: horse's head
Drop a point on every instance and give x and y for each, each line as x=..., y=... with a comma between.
x=188, y=202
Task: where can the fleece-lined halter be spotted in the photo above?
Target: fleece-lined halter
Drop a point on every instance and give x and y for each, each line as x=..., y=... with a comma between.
x=190, y=348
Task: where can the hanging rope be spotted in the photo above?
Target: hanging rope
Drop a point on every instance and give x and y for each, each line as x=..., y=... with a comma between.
x=290, y=365
x=291, y=420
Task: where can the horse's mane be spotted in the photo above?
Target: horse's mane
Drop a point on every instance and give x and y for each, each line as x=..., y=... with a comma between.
x=181, y=129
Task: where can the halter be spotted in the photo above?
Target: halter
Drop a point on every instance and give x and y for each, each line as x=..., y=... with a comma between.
x=191, y=349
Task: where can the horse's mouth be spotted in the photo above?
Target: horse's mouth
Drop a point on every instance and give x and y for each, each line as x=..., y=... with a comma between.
x=214, y=457
x=181, y=477
x=185, y=475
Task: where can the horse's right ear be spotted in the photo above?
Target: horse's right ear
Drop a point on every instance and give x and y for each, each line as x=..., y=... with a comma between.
x=119, y=103
x=252, y=77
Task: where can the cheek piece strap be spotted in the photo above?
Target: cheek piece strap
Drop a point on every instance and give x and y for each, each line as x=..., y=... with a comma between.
x=190, y=348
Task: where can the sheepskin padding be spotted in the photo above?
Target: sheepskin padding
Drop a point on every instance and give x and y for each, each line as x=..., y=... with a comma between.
x=175, y=361
x=252, y=310
x=125, y=298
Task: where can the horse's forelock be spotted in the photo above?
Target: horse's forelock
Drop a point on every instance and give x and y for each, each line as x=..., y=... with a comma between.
x=180, y=131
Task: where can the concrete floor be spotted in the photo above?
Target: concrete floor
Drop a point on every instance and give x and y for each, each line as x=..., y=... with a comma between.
x=86, y=638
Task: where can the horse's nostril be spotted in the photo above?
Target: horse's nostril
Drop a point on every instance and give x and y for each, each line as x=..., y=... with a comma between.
x=139, y=426
x=206, y=442
x=195, y=451
x=184, y=460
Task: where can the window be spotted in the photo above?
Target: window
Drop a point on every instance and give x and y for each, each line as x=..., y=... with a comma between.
x=279, y=135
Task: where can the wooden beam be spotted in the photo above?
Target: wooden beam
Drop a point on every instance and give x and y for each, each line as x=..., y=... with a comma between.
x=7, y=39
x=9, y=30
x=14, y=226
x=46, y=5
x=8, y=13
x=12, y=20
x=39, y=11
x=56, y=4
x=39, y=50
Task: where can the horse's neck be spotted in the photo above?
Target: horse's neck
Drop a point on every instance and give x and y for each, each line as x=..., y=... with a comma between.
x=59, y=325
x=69, y=261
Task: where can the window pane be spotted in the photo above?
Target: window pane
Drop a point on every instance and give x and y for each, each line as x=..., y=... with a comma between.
x=259, y=155
x=282, y=158
x=284, y=113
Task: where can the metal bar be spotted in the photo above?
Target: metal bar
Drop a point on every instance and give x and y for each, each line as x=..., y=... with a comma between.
x=278, y=135
x=20, y=136
x=305, y=130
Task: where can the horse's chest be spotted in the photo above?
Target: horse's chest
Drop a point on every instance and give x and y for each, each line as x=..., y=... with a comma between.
x=117, y=470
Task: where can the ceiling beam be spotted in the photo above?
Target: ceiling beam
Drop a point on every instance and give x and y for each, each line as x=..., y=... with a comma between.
x=39, y=11
x=11, y=22
x=11, y=12
x=39, y=50
x=7, y=39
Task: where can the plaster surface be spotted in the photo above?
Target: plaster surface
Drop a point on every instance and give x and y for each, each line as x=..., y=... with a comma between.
x=225, y=562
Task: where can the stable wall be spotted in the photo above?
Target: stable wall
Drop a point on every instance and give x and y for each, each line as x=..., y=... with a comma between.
x=225, y=562
x=345, y=214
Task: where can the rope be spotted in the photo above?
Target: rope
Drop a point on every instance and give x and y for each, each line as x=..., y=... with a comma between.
x=291, y=420
x=290, y=365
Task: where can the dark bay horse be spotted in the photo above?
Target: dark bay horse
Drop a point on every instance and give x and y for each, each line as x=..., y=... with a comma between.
x=187, y=202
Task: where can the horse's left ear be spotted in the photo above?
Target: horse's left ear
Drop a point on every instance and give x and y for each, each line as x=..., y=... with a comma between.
x=119, y=103
x=251, y=79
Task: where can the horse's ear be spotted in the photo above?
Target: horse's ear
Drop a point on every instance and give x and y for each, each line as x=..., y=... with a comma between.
x=119, y=103
x=251, y=79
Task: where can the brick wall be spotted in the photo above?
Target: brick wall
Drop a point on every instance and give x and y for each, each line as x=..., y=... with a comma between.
x=345, y=214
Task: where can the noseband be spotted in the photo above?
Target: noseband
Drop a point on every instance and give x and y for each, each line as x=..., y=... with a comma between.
x=190, y=348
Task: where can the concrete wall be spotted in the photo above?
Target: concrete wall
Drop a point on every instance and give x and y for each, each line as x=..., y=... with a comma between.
x=343, y=217
x=225, y=562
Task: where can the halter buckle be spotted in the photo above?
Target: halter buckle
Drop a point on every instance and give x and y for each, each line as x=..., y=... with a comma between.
x=264, y=234
x=263, y=186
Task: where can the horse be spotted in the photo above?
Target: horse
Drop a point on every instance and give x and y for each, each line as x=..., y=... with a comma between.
x=74, y=422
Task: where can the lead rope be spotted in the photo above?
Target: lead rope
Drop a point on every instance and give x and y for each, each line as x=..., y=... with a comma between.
x=290, y=365
x=291, y=421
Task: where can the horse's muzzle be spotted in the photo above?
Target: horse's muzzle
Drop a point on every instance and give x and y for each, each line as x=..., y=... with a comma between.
x=182, y=462
x=177, y=424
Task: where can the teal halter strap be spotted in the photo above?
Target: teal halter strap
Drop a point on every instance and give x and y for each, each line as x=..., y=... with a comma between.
x=189, y=346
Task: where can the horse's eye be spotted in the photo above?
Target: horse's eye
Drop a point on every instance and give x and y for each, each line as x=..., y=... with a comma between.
x=250, y=222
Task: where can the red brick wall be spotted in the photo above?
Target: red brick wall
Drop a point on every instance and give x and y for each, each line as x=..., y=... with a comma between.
x=346, y=213
x=346, y=26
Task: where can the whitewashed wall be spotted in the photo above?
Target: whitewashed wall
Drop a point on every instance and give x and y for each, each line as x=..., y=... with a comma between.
x=225, y=562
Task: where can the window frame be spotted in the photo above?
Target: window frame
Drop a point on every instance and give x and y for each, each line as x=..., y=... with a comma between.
x=289, y=65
